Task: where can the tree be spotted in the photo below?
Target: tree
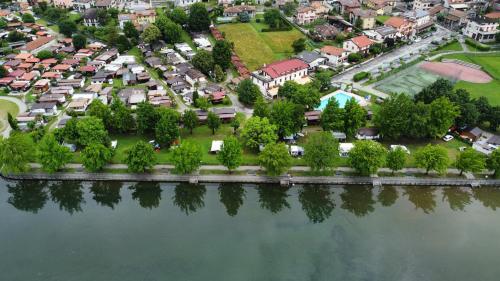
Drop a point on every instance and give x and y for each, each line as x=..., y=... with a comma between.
x=190, y=120
x=67, y=27
x=91, y=130
x=12, y=122
x=121, y=116
x=202, y=103
x=70, y=131
x=354, y=57
x=44, y=54
x=323, y=79
x=95, y=156
x=376, y=49
x=440, y=88
x=199, y=19
x=15, y=36
x=140, y=157
x=299, y=45
x=396, y=159
x=79, y=41
x=130, y=31
x=230, y=154
x=289, y=8
x=367, y=157
x=358, y=23
x=354, y=117
x=213, y=122
x=203, y=61
x=470, y=161
x=178, y=15
x=272, y=17
x=186, y=158
x=3, y=71
x=261, y=108
x=247, y=92
x=221, y=53
x=432, y=157
x=123, y=44
x=442, y=116
x=219, y=74
x=321, y=151
x=167, y=128
x=52, y=155
x=15, y=153
x=493, y=162
x=288, y=118
x=258, y=131
x=393, y=117
x=3, y=23
x=100, y=110
x=332, y=117
x=146, y=118
x=151, y=34
x=172, y=32
x=244, y=17
x=307, y=96
x=469, y=115
x=27, y=18
x=111, y=34
x=235, y=124
x=275, y=159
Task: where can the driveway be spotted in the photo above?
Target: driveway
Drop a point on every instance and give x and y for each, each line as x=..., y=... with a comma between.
x=22, y=108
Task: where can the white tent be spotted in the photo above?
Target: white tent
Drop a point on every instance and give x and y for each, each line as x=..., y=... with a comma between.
x=216, y=146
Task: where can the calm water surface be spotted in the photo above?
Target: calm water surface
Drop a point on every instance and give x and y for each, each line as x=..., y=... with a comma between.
x=74, y=231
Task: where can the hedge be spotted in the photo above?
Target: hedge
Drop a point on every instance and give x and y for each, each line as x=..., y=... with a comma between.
x=360, y=76
x=477, y=45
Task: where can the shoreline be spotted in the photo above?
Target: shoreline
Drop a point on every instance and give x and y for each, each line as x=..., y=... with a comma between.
x=257, y=179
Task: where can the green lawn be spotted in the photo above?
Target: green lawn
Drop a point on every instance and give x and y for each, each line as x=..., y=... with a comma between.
x=382, y=19
x=257, y=48
x=490, y=64
x=455, y=46
x=7, y=107
x=43, y=22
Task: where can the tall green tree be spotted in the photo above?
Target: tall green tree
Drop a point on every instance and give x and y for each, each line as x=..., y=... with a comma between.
x=91, y=130
x=130, y=31
x=178, y=15
x=440, y=88
x=321, y=151
x=203, y=61
x=52, y=155
x=123, y=44
x=95, y=156
x=199, y=19
x=493, y=162
x=272, y=17
x=67, y=27
x=79, y=41
x=190, y=120
x=12, y=122
x=213, y=122
x=354, y=117
x=121, y=116
x=275, y=159
x=27, y=18
x=442, y=116
x=222, y=53
x=396, y=159
x=140, y=157
x=146, y=117
x=323, y=80
x=299, y=45
x=187, y=158
x=151, y=34
x=432, y=157
x=230, y=154
x=393, y=117
x=100, y=110
x=288, y=118
x=261, y=108
x=167, y=128
x=470, y=160
x=15, y=153
x=367, y=157
x=258, y=131
x=332, y=117
x=247, y=92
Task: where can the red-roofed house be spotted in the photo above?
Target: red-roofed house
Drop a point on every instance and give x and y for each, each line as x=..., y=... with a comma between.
x=50, y=61
x=37, y=45
x=404, y=27
x=358, y=44
x=5, y=81
x=16, y=73
x=217, y=97
x=52, y=75
x=61, y=67
x=276, y=74
x=87, y=69
x=335, y=56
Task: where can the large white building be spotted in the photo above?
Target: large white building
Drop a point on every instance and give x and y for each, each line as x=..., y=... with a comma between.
x=481, y=29
x=271, y=77
x=185, y=3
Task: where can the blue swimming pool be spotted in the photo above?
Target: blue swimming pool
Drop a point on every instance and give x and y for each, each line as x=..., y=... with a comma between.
x=341, y=98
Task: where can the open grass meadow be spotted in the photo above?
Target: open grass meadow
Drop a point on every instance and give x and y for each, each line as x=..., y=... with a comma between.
x=256, y=48
x=491, y=64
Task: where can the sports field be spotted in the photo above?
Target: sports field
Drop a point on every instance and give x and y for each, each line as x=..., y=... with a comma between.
x=409, y=81
x=256, y=48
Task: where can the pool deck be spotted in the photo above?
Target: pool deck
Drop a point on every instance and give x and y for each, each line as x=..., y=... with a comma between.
x=361, y=101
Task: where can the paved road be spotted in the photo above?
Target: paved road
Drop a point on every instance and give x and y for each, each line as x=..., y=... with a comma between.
x=22, y=108
x=234, y=98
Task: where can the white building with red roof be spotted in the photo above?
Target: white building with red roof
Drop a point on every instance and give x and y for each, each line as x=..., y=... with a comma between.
x=336, y=56
x=358, y=44
x=272, y=76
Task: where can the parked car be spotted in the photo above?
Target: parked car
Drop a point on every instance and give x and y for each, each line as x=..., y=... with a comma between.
x=448, y=138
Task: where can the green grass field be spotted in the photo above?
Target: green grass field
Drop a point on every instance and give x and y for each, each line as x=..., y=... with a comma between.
x=7, y=107
x=382, y=19
x=490, y=64
x=257, y=48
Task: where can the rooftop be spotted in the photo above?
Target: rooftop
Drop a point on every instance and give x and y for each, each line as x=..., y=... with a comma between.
x=281, y=68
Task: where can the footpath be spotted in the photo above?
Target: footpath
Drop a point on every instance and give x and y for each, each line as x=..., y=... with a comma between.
x=253, y=174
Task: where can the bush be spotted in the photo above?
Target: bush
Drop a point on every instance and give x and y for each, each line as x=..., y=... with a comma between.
x=477, y=45
x=257, y=20
x=360, y=76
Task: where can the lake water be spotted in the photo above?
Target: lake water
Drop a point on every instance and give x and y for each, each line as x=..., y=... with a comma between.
x=75, y=231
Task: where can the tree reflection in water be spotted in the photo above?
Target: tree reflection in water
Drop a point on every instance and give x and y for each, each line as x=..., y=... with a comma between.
x=189, y=197
x=387, y=196
x=422, y=198
x=147, y=193
x=68, y=194
x=29, y=196
x=317, y=202
x=489, y=196
x=358, y=200
x=457, y=198
x=273, y=198
x=107, y=193
x=231, y=196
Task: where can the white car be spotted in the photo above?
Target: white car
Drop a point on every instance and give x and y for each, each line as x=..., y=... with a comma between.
x=448, y=138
